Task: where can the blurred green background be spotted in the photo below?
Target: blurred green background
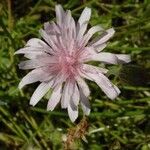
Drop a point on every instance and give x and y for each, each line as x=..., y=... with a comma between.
x=123, y=124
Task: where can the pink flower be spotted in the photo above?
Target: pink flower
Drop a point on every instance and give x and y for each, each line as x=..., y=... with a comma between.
x=59, y=62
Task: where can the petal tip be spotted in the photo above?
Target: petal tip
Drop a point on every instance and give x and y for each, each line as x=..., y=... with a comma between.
x=87, y=9
x=87, y=113
x=112, y=30
x=16, y=53
x=21, y=85
x=32, y=103
x=129, y=59
x=73, y=115
x=49, y=108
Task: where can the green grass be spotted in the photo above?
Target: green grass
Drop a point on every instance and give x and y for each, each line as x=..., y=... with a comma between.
x=123, y=124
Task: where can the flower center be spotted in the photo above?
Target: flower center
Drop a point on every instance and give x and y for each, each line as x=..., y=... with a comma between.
x=70, y=60
x=68, y=65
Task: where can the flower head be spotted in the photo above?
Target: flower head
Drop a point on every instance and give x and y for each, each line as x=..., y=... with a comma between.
x=59, y=62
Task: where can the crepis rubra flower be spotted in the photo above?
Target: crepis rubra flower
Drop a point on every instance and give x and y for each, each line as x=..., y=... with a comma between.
x=60, y=62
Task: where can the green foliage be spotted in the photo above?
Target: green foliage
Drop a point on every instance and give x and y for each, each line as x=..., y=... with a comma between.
x=123, y=124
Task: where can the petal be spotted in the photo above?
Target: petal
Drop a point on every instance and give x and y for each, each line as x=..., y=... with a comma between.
x=105, y=57
x=59, y=14
x=72, y=28
x=82, y=84
x=70, y=25
x=83, y=22
x=33, y=76
x=58, y=79
x=70, y=94
x=110, y=58
x=35, y=42
x=68, y=18
x=104, y=37
x=86, y=54
x=73, y=113
x=48, y=27
x=100, y=47
x=35, y=55
x=90, y=33
x=41, y=90
x=34, y=51
x=51, y=28
x=94, y=69
x=30, y=64
x=84, y=103
x=39, y=45
x=66, y=94
x=75, y=95
x=94, y=29
x=103, y=82
x=39, y=62
x=107, y=87
x=49, y=39
x=29, y=50
x=117, y=89
x=55, y=98
x=123, y=58
x=85, y=16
